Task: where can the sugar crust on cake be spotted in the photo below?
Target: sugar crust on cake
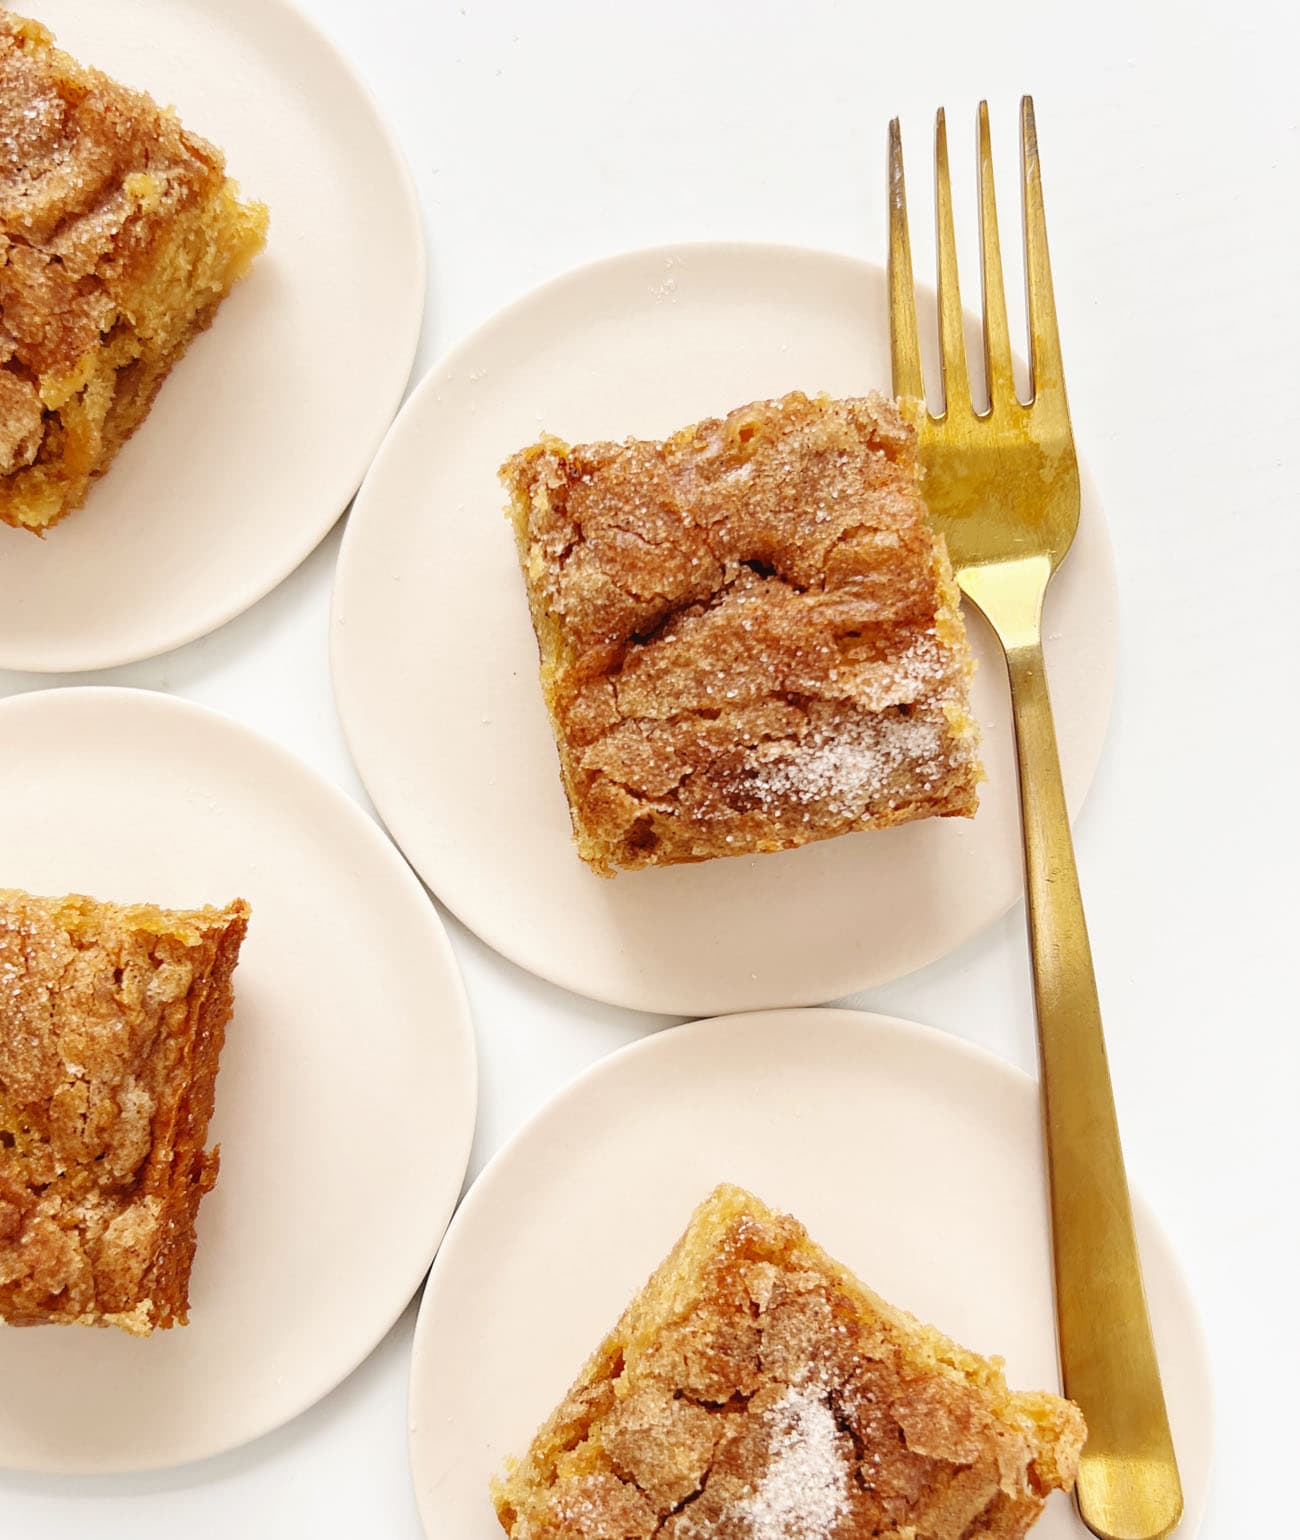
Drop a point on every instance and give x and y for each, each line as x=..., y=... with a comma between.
x=756, y=1390
x=112, y=1020
x=120, y=235
x=749, y=633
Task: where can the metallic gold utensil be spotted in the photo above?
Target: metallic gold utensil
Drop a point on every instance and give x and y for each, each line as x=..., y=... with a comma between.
x=1003, y=486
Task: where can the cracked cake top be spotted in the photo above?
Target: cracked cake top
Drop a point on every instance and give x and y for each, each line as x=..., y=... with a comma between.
x=111, y=1021
x=88, y=172
x=749, y=632
x=755, y=1390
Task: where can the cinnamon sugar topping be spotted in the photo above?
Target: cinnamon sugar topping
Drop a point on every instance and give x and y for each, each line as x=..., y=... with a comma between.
x=755, y=1390
x=749, y=633
x=120, y=234
x=804, y=1489
x=111, y=1024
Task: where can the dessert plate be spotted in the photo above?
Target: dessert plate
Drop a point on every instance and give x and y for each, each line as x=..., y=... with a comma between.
x=435, y=665
x=914, y=1158
x=346, y=1098
x=264, y=430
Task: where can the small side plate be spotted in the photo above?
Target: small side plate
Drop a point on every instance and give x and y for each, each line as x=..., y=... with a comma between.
x=435, y=665
x=346, y=1097
x=265, y=428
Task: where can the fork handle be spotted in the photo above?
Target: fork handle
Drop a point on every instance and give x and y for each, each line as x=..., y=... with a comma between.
x=1128, y=1487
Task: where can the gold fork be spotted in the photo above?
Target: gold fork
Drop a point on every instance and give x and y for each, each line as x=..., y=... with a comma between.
x=1003, y=486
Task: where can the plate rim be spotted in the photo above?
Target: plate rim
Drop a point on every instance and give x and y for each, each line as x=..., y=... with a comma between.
x=18, y=661
x=58, y=698
x=445, y=367
x=872, y=1021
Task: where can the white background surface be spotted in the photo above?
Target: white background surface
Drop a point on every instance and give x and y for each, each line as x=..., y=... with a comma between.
x=544, y=135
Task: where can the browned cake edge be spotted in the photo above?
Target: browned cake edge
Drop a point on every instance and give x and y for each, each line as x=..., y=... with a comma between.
x=548, y=629
x=1052, y=1426
x=178, y=1171
x=192, y=1171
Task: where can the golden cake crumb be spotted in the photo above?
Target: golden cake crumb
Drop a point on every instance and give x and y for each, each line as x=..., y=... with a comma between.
x=749, y=633
x=112, y=1020
x=756, y=1390
x=120, y=235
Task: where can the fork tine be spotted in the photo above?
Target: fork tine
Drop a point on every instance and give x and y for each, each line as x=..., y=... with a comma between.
x=997, y=340
x=904, y=350
x=1046, y=373
x=952, y=325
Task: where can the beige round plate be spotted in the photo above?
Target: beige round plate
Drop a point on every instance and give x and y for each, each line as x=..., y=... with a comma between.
x=435, y=666
x=346, y=1098
x=264, y=430
x=911, y=1156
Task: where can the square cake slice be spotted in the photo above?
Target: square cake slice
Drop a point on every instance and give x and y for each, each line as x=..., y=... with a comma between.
x=120, y=234
x=755, y=1390
x=112, y=1020
x=749, y=633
